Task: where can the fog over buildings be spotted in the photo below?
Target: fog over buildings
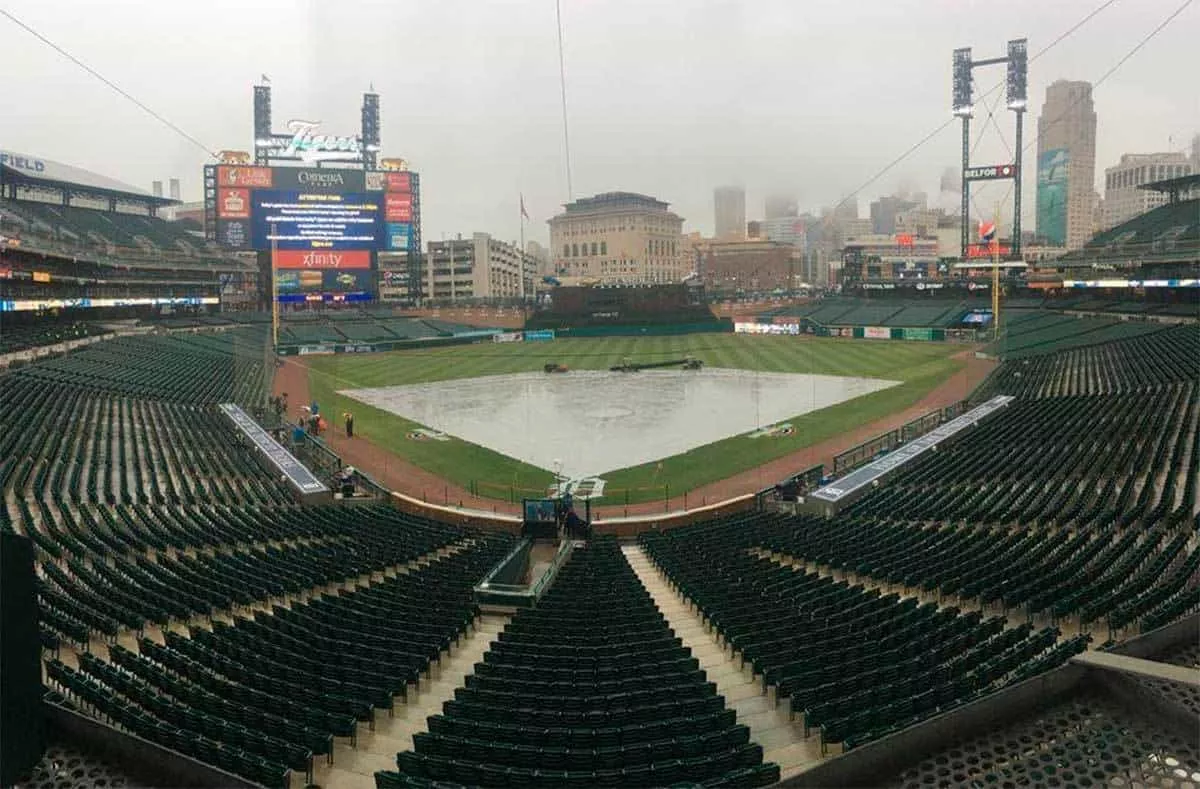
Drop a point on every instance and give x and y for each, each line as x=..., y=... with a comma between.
x=803, y=103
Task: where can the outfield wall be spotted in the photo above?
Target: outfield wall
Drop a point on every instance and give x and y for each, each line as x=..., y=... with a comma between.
x=722, y=326
x=805, y=326
x=325, y=348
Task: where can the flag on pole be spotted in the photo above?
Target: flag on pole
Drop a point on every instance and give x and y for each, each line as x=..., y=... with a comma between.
x=524, y=213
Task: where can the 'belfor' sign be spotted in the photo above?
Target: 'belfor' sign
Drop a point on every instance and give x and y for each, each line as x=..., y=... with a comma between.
x=989, y=172
x=302, y=143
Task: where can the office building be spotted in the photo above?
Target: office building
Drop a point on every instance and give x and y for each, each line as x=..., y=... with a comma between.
x=479, y=267
x=1066, y=165
x=780, y=207
x=619, y=238
x=1123, y=196
x=729, y=212
x=884, y=211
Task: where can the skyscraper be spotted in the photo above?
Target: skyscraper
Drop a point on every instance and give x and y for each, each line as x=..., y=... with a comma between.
x=1066, y=165
x=780, y=206
x=729, y=208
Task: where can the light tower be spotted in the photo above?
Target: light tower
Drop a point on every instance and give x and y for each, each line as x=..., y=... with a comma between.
x=963, y=107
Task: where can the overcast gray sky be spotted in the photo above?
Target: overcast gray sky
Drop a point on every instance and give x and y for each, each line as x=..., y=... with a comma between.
x=807, y=97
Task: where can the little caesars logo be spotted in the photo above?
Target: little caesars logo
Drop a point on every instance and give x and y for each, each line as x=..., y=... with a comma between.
x=305, y=145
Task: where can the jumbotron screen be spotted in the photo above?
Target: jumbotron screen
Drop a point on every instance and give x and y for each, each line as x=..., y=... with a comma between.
x=299, y=209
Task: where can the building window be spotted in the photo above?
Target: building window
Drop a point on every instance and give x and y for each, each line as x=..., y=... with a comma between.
x=566, y=250
x=574, y=250
x=594, y=249
x=603, y=247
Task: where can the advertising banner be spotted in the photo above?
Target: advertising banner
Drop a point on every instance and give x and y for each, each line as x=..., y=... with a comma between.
x=314, y=179
x=327, y=281
x=399, y=235
x=918, y=334
x=251, y=177
x=507, y=336
x=1052, y=195
x=399, y=182
x=397, y=207
x=233, y=233
x=233, y=203
x=41, y=276
x=5, y=272
x=541, y=335
x=302, y=220
x=777, y=329
x=877, y=333
x=349, y=259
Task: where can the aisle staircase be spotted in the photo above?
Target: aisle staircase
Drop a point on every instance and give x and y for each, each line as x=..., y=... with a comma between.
x=783, y=742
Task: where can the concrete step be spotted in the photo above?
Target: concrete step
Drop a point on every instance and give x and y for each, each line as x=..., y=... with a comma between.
x=783, y=741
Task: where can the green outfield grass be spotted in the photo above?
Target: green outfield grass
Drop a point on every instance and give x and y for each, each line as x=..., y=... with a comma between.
x=920, y=366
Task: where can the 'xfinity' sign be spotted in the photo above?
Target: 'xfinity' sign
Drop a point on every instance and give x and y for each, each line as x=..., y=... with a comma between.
x=303, y=144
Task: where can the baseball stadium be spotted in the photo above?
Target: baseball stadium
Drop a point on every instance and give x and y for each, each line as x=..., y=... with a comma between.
x=262, y=526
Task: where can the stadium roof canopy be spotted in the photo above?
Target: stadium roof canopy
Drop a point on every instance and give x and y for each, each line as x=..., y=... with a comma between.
x=32, y=171
x=1175, y=187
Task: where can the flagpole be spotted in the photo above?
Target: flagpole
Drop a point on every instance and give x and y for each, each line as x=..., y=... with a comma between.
x=521, y=254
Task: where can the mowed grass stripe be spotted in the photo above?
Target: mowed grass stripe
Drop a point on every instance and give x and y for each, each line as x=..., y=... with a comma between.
x=921, y=366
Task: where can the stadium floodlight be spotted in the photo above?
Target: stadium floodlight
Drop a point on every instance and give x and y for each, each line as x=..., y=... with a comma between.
x=1018, y=74
x=962, y=101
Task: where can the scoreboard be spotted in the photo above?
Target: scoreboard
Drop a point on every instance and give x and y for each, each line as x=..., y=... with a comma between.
x=310, y=208
x=321, y=226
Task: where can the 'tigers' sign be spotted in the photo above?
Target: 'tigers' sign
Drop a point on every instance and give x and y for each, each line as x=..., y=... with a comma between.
x=303, y=144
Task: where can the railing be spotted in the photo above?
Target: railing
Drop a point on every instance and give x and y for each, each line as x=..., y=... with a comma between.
x=316, y=454
x=488, y=592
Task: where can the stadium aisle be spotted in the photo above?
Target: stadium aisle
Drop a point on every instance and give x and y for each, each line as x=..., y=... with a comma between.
x=782, y=742
x=354, y=768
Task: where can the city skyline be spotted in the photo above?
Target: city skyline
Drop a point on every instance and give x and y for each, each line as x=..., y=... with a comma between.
x=678, y=139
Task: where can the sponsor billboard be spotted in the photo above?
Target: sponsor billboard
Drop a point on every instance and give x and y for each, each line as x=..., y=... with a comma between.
x=34, y=305
x=289, y=281
x=877, y=332
x=766, y=328
x=399, y=235
x=1052, y=195
x=316, y=179
x=233, y=203
x=251, y=177
x=399, y=182
x=296, y=259
x=397, y=207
